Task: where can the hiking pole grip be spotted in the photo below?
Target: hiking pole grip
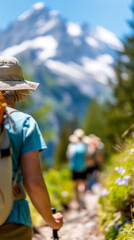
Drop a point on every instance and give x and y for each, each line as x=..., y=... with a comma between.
x=55, y=234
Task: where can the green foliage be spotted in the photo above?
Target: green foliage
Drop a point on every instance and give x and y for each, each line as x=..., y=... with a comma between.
x=60, y=188
x=60, y=153
x=127, y=233
x=111, y=234
x=94, y=121
x=117, y=197
x=41, y=115
x=121, y=113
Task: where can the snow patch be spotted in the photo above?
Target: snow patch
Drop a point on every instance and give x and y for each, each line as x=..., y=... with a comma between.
x=99, y=69
x=64, y=69
x=44, y=27
x=26, y=14
x=48, y=46
x=91, y=41
x=109, y=38
x=106, y=59
x=54, y=13
x=38, y=5
x=71, y=73
x=74, y=29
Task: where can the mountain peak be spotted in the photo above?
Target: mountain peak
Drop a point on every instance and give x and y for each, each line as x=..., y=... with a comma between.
x=36, y=7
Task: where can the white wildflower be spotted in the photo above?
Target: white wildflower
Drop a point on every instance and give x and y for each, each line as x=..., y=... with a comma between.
x=131, y=151
x=64, y=194
x=104, y=192
x=116, y=169
x=118, y=180
x=121, y=170
x=123, y=182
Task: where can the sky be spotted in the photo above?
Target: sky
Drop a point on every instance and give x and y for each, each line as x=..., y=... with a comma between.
x=110, y=14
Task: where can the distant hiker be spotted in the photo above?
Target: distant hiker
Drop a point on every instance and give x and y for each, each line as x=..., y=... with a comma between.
x=94, y=158
x=76, y=154
x=98, y=146
x=25, y=142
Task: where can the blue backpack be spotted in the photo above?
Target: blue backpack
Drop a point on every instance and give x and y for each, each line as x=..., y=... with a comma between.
x=77, y=160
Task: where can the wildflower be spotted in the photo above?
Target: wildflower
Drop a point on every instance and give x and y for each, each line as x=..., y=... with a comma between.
x=64, y=193
x=116, y=169
x=123, y=182
x=104, y=192
x=126, y=179
x=131, y=151
x=118, y=180
x=121, y=170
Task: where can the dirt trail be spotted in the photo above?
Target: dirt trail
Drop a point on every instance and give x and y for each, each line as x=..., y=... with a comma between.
x=78, y=224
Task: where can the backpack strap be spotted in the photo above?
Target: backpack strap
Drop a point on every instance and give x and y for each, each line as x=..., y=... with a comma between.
x=19, y=186
x=16, y=177
x=10, y=110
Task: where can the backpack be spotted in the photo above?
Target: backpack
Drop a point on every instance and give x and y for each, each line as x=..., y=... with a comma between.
x=7, y=186
x=78, y=157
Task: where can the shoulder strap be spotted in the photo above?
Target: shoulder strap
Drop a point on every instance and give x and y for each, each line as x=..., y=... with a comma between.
x=10, y=110
x=16, y=176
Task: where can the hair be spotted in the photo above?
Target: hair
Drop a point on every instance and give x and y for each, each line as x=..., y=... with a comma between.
x=16, y=95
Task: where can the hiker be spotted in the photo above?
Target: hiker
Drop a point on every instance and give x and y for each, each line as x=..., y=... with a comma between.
x=26, y=143
x=94, y=159
x=76, y=154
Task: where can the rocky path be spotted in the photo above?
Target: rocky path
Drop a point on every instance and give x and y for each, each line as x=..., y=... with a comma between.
x=78, y=224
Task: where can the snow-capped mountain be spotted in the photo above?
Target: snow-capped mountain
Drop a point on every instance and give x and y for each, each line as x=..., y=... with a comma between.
x=73, y=63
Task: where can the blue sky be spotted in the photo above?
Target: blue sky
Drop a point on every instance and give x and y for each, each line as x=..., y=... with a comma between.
x=110, y=14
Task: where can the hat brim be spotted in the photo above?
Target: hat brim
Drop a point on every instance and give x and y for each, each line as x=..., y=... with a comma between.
x=18, y=85
x=73, y=139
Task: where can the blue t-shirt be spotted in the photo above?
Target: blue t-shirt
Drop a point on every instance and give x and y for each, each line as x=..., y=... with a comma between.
x=25, y=139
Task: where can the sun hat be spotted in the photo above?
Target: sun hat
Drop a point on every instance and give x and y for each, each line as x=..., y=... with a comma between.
x=87, y=140
x=79, y=133
x=11, y=76
x=73, y=139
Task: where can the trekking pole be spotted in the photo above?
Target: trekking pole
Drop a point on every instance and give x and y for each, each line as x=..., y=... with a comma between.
x=55, y=234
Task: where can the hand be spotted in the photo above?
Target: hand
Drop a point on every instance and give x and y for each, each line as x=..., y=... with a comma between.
x=58, y=217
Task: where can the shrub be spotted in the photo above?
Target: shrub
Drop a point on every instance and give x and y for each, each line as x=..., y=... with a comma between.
x=117, y=195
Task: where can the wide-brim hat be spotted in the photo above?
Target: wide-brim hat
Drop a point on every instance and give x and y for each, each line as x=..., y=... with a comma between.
x=87, y=140
x=73, y=139
x=11, y=76
x=79, y=133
